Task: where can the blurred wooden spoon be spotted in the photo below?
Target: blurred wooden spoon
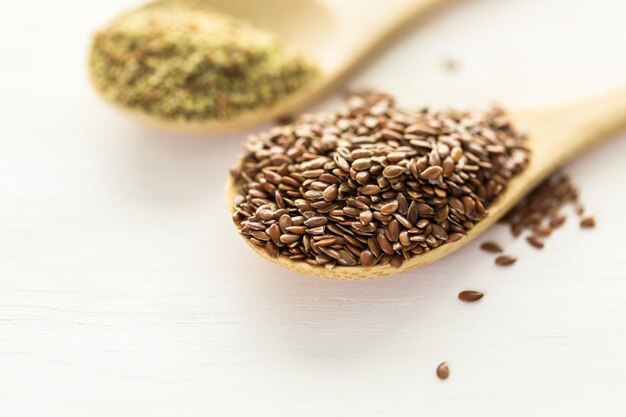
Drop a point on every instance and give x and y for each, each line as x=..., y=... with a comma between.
x=338, y=35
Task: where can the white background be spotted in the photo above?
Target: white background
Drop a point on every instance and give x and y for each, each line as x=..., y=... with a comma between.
x=125, y=291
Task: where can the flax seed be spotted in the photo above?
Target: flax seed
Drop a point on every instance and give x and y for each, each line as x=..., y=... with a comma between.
x=505, y=260
x=588, y=222
x=443, y=371
x=535, y=241
x=491, y=247
x=373, y=184
x=470, y=296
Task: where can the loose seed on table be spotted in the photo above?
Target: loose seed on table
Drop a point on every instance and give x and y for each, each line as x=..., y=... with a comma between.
x=542, y=229
x=539, y=211
x=491, y=247
x=470, y=296
x=443, y=371
x=505, y=260
x=557, y=221
x=588, y=222
x=535, y=241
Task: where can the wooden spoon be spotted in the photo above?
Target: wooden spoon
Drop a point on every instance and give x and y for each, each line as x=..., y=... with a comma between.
x=556, y=135
x=338, y=35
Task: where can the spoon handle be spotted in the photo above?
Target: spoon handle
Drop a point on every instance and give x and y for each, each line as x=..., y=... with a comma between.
x=558, y=134
x=365, y=25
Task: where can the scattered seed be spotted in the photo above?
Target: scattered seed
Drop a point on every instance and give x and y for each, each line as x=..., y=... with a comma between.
x=588, y=222
x=535, y=241
x=505, y=260
x=470, y=296
x=557, y=221
x=443, y=371
x=579, y=208
x=542, y=230
x=540, y=211
x=491, y=247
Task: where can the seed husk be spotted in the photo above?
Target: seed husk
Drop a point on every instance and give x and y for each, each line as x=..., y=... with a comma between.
x=491, y=247
x=470, y=296
x=443, y=371
x=341, y=191
x=505, y=260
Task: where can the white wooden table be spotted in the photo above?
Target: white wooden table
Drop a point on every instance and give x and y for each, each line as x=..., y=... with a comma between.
x=124, y=290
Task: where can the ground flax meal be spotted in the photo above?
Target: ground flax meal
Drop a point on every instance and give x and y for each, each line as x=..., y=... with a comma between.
x=180, y=60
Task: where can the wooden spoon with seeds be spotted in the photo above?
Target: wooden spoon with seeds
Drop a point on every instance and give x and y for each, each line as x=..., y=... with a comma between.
x=336, y=35
x=555, y=136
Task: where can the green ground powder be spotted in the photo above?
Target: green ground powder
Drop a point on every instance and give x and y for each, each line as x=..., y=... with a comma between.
x=179, y=60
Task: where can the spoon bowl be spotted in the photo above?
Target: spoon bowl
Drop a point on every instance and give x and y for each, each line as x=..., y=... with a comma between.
x=555, y=135
x=329, y=32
